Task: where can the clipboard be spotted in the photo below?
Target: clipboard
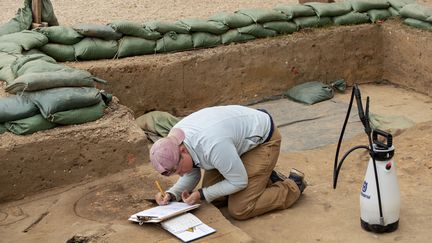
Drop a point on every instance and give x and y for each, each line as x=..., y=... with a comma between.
x=160, y=213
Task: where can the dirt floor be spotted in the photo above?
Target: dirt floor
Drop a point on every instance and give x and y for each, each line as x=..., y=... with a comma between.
x=97, y=211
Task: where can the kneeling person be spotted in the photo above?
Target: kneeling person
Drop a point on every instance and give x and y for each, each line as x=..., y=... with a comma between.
x=238, y=148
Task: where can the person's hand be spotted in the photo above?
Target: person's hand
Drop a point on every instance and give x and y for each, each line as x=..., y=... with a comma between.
x=161, y=200
x=191, y=198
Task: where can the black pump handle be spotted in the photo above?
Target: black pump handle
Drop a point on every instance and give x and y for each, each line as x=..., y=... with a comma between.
x=359, y=104
x=388, y=137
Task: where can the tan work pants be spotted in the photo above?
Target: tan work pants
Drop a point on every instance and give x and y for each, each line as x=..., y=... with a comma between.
x=259, y=196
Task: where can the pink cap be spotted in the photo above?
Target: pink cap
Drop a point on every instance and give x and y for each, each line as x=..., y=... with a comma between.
x=165, y=152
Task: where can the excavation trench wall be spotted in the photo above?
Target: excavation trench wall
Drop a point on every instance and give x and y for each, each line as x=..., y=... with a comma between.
x=183, y=82
x=242, y=73
x=407, y=57
x=71, y=154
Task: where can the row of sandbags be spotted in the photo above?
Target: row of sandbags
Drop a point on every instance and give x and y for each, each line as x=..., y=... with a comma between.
x=125, y=38
x=48, y=94
x=417, y=15
x=30, y=112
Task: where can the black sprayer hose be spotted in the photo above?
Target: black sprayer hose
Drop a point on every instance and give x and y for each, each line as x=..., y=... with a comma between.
x=343, y=159
x=372, y=154
x=335, y=176
x=364, y=118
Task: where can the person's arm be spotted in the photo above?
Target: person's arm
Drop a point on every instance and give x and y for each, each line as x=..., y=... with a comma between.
x=226, y=160
x=186, y=182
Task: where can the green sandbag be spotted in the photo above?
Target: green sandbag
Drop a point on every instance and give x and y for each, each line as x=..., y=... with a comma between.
x=10, y=48
x=399, y=4
x=394, y=12
x=135, y=29
x=93, y=49
x=27, y=39
x=38, y=66
x=174, y=42
x=295, y=10
x=16, y=107
x=79, y=116
x=312, y=21
x=235, y=36
x=199, y=25
x=378, y=14
x=6, y=74
x=351, y=19
x=22, y=61
x=416, y=11
x=61, y=53
x=29, y=125
x=33, y=51
x=51, y=101
x=135, y=46
x=97, y=31
x=2, y=128
x=365, y=5
x=259, y=15
x=232, y=20
x=339, y=85
x=48, y=13
x=257, y=30
x=157, y=122
x=310, y=92
x=202, y=39
x=165, y=27
x=6, y=59
x=418, y=23
x=22, y=21
x=9, y=53
x=46, y=80
x=61, y=34
x=330, y=9
x=281, y=27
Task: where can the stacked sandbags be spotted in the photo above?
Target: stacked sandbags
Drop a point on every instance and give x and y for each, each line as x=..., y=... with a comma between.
x=48, y=94
x=417, y=15
x=61, y=42
x=397, y=5
x=125, y=38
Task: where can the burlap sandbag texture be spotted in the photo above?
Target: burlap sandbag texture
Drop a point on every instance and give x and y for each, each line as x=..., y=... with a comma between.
x=16, y=107
x=157, y=122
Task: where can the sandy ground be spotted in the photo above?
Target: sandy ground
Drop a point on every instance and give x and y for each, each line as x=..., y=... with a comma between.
x=97, y=210
x=104, y=11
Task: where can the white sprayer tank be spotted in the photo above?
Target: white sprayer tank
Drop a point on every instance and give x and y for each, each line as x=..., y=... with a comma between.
x=389, y=193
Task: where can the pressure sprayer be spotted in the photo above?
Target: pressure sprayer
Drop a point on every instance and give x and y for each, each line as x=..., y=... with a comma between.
x=379, y=195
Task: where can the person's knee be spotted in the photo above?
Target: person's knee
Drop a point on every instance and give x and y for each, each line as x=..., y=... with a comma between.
x=238, y=213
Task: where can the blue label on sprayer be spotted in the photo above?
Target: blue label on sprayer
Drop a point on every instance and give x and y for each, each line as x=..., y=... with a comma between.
x=364, y=189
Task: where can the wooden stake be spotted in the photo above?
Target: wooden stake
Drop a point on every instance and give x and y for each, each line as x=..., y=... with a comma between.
x=37, y=11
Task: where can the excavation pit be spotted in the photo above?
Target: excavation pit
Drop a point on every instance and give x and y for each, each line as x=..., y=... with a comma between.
x=94, y=198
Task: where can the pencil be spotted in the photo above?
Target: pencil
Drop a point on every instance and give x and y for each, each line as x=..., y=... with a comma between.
x=160, y=188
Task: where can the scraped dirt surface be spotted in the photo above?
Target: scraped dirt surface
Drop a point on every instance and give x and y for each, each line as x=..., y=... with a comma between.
x=98, y=210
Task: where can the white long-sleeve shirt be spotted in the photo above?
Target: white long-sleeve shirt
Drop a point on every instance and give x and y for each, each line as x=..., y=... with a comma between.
x=216, y=137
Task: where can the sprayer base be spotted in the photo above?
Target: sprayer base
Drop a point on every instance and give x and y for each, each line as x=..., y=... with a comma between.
x=376, y=228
